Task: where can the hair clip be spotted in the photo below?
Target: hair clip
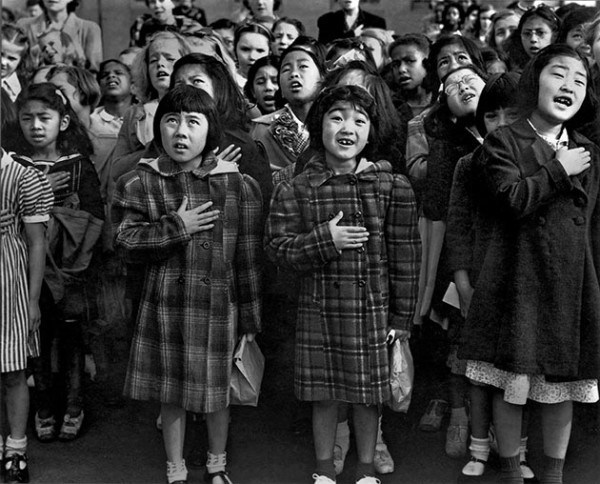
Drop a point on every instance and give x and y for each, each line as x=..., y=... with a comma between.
x=60, y=94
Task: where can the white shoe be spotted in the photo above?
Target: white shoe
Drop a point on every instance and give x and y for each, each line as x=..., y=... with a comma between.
x=475, y=467
x=368, y=480
x=382, y=460
x=526, y=471
x=322, y=479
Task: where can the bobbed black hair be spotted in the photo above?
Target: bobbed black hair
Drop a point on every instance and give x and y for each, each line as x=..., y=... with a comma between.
x=529, y=84
x=356, y=96
x=188, y=99
x=500, y=92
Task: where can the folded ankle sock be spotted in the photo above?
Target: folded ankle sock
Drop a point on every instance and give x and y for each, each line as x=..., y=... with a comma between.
x=363, y=470
x=14, y=446
x=216, y=462
x=480, y=448
x=176, y=471
x=553, y=470
x=510, y=471
x=325, y=468
x=458, y=416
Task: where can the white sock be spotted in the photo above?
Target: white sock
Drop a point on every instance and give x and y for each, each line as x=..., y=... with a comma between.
x=176, y=471
x=342, y=435
x=480, y=448
x=14, y=446
x=216, y=462
x=523, y=450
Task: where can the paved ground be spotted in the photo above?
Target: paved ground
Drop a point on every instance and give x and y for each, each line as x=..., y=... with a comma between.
x=121, y=445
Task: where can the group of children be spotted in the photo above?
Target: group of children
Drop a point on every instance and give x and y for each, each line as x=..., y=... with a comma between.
x=378, y=175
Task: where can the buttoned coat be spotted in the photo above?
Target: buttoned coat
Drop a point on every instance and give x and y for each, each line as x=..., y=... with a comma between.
x=536, y=305
x=349, y=300
x=186, y=330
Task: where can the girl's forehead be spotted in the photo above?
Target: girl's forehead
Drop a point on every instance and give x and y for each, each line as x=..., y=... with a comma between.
x=267, y=71
x=297, y=56
x=459, y=74
x=536, y=21
x=346, y=106
x=36, y=105
x=568, y=62
x=253, y=38
x=191, y=70
x=285, y=27
x=164, y=45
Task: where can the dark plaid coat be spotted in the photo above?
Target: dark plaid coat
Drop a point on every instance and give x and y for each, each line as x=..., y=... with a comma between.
x=185, y=334
x=349, y=300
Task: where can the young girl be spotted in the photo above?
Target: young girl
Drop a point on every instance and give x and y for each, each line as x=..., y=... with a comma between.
x=196, y=222
x=16, y=67
x=285, y=31
x=532, y=329
x=251, y=42
x=349, y=227
x=497, y=107
x=50, y=138
x=262, y=87
x=58, y=48
x=26, y=201
x=504, y=23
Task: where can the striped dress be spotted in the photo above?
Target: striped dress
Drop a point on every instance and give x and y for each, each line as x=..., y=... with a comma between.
x=28, y=197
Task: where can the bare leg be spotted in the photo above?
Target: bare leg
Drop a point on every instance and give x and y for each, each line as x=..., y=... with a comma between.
x=366, y=419
x=480, y=411
x=324, y=426
x=557, y=419
x=17, y=403
x=217, y=424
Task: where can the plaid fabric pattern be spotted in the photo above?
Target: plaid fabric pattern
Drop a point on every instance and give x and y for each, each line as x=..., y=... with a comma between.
x=186, y=333
x=348, y=300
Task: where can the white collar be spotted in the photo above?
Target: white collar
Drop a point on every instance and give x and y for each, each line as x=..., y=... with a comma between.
x=12, y=86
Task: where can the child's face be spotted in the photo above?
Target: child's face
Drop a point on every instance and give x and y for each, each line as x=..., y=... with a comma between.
x=503, y=28
x=349, y=4
x=11, y=56
x=536, y=35
x=115, y=81
x=499, y=117
x=265, y=87
x=452, y=17
x=52, y=48
x=56, y=5
x=162, y=10
x=562, y=89
x=34, y=11
x=450, y=57
x=162, y=54
x=345, y=133
x=261, y=8
x=61, y=81
x=40, y=124
x=299, y=76
x=463, y=88
x=196, y=76
x=184, y=137
x=250, y=47
x=410, y=71
x=228, y=38
x=575, y=37
x=596, y=45
x=376, y=49
x=284, y=35
x=485, y=20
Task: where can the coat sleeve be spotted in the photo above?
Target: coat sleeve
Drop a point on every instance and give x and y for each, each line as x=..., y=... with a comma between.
x=404, y=254
x=287, y=242
x=248, y=257
x=137, y=238
x=515, y=194
x=90, y=196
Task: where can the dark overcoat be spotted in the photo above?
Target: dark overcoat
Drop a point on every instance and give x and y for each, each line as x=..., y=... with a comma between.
x=348, y=300
x=186, y=330
x=536, y=305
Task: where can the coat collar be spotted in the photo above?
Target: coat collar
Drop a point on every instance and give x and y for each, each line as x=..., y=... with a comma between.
x=318, y=173
x=211, y=165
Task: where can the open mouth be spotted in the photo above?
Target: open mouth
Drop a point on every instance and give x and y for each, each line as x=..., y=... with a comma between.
x=268, y=99
x=180, y=146
x=345, y=142
x=295, y=86
x=563, y=100
x=112, y=84
x=162, y=74
x=467, y=97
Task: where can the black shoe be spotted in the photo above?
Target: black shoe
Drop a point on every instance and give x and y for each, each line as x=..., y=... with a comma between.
x=16, y=469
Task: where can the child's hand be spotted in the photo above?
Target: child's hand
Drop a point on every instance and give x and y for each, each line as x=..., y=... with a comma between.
x=574, y=161
x=196, y=219
x=58, y=180
x=35, y=316
x=347, y=237
x=232, y=154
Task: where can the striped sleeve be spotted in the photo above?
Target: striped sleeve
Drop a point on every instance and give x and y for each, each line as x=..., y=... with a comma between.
x=35, y=197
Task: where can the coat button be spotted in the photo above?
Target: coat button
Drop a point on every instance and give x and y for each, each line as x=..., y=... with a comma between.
x=541, y=221
x=206, y=245
x=358, y=215
x=352, y=181
x=181, y=280
x=579, y=220
x=362, y=283
x=206, y=281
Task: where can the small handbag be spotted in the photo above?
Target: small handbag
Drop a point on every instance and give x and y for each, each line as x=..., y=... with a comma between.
x=247, y=373
x=401, y=376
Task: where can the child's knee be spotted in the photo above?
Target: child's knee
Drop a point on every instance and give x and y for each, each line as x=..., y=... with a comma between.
x=14, y=379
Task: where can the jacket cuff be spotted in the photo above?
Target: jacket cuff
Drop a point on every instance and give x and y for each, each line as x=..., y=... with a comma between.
x=558, y=175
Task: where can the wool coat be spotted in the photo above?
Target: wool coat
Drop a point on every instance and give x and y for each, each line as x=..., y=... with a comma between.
x=186, y=331
x=350, y=299
x=332, y=25
x=536, y=305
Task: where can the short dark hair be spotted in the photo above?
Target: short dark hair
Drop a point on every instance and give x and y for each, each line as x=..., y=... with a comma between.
x=420, y=41
x=269, y=60
x=188, y=99
x=499, y=92
x=310, y=45
x=103, y=64
x=223, y=24
x=355, y=95
x=529, y=84
x=575, y=18
x=458, y=7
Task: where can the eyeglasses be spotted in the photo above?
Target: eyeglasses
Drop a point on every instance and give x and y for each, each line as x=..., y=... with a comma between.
x=468, y=80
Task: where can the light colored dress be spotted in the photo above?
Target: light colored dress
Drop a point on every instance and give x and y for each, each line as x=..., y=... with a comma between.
x=27, y=196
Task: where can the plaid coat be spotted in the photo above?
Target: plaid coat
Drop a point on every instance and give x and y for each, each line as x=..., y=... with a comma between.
x=348, y=300
x=195, y=285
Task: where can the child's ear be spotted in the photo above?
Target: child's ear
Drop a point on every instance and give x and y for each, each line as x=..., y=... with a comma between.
x=64, y=122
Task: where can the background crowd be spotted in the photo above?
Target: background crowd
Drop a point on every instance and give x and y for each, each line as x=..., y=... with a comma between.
x=220, y=172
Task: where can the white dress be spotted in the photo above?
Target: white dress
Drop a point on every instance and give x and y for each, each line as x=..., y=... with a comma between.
x=27, y=196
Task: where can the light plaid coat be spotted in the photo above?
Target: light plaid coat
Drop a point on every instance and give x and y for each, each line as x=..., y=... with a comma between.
x=186, y=333
x=348, y=301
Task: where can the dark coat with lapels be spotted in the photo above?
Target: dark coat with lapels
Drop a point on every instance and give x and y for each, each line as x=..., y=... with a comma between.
x=332, y=25
x=536, y=305
x=348, y=299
